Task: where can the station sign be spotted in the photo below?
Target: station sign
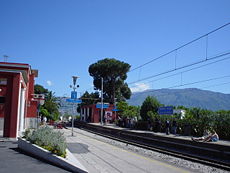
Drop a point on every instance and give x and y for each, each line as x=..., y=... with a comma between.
x=74, y=100
x=165, y=110
x=74, y=95
x=99, y=105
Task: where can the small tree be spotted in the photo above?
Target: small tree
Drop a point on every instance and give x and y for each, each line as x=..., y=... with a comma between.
x=45, y=113
x=50, y=107
x=127, y=110
x=150, y=104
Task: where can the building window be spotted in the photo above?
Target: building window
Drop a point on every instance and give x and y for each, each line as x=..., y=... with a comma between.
x=2, y=100
x=3, y=81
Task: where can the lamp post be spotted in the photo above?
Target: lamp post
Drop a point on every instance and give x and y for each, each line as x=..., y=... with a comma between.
x=74, y=82
x=74, y=97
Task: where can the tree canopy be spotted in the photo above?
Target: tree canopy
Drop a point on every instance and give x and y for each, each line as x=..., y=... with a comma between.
x=150, y=104
x=127, y=110
x=39, y=89
x=50, y=107
x=114, y=73
x=90, y=98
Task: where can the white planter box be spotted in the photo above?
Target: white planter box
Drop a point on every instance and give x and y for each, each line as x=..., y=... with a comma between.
x=69, y=163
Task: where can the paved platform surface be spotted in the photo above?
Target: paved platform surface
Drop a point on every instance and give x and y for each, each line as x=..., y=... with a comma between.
x=13, y=160
x=222, y=142
x=100, y=157
x=1, y=134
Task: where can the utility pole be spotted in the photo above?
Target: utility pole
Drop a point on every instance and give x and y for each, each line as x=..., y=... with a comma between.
x=114, y=98
x=101, y=100
x=115, y=108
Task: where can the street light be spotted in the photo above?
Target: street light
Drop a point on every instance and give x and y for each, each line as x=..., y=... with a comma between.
x=75, y=97
x=74, y=83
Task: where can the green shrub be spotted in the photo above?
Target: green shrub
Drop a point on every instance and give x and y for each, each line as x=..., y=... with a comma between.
x=27, y=134
x=47, y=138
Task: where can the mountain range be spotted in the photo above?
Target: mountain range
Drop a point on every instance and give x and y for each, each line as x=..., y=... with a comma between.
x=189, y=97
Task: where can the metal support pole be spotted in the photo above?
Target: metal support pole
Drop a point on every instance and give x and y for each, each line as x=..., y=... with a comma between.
x=72, y=119
x=38, y=113
x=175, y=58
x=115, y=108
x=37, y=118
x=206, y=49
x=102, y=101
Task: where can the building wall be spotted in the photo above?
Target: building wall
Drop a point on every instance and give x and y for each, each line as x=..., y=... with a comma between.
x=95, y=116
x=5, y=108
x=3, y=95
x=31, y=123
x=31, y=120
x=17, y=103
x=11, y=110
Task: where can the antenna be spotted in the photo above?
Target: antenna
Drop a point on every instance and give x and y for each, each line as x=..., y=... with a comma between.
x=5, y=58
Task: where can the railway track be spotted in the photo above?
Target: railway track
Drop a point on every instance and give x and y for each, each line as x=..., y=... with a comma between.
x=210, y=154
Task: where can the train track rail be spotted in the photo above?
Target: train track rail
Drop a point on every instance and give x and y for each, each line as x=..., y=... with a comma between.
x=205, y=153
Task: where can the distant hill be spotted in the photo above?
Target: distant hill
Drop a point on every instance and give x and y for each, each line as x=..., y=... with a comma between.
x=190, y=97
x=65, y=107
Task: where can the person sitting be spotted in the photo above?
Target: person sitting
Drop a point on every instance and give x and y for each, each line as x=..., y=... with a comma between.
x=209, y=137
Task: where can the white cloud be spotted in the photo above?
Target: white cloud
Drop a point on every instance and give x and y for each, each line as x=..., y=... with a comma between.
x=140, y=87
x=49, y=83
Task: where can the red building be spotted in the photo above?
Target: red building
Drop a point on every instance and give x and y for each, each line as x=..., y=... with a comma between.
x=18, y=109
x=89, y=113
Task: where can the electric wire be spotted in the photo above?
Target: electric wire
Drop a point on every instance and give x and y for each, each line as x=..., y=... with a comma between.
x=201, y=81
x=211, y=86
x=182, y=67
x=161, y=56
x=191, y=83
x=188, y=70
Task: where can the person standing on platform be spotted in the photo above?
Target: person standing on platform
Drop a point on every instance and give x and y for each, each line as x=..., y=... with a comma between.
x=174, y=127
x=167, y=124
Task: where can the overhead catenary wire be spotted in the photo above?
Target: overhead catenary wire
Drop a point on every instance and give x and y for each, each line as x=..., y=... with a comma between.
x=180, y=47
x=201, y=81
x=211, y=86
x=205, y=59
x=190, y=83
x=182, y=67
x=194, y=68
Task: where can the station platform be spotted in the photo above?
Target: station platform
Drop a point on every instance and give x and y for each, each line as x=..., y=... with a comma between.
x=220, y=142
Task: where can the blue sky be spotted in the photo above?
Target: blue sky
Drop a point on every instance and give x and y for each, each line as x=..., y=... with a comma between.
x=61, y=38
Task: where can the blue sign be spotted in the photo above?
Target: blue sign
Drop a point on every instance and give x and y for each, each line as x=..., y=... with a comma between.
x=74, y=95
x=104, y=106
x=74, y=101
x=166, y=110
x=115, y=110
